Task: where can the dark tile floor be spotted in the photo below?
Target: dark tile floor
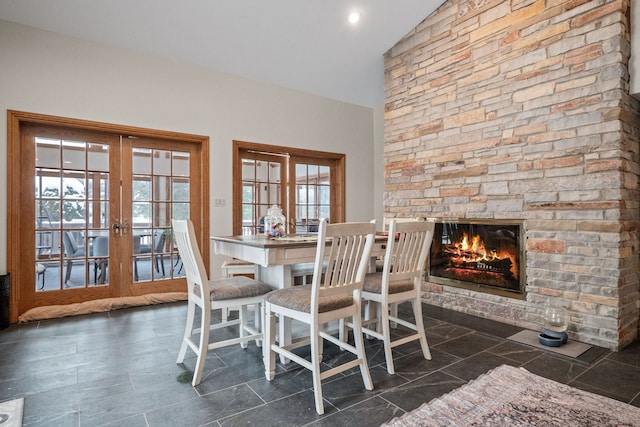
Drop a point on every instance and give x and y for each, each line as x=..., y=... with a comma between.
x=119, y=368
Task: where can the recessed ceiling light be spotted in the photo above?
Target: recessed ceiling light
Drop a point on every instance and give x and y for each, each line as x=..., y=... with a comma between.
x=355, y=16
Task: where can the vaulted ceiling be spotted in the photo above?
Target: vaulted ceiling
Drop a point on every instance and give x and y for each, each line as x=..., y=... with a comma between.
x=298, y=44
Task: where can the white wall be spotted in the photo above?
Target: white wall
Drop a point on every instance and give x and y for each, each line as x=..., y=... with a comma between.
x=48, y=73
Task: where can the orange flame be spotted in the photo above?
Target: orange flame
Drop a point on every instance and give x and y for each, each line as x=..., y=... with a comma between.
x=476, y=251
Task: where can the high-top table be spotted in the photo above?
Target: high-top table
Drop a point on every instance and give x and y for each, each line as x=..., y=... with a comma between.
x=274, y=258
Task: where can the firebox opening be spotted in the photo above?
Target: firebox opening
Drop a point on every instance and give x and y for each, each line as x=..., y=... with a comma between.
x=482, y=255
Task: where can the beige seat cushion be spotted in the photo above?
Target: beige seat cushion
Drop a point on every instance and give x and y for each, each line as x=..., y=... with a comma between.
x=373, y=284
x=236, y=287
x=299, y=299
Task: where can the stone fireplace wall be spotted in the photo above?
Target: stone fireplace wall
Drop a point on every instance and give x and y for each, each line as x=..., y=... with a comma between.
x=520, y=109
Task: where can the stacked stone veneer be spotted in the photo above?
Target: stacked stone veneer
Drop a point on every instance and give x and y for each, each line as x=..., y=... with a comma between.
x=520, y=109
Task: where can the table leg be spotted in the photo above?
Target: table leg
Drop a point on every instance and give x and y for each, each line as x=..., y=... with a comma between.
x=279, y=277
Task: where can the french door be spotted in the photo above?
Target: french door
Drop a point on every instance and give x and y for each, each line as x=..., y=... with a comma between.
x=307, y=185
x=95, y=210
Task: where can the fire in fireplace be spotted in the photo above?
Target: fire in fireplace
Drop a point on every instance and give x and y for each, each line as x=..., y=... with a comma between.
x=485, y=255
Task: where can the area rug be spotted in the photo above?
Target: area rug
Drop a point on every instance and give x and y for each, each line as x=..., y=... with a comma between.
x=571, y=348
x=11, y=413
x=509, y=396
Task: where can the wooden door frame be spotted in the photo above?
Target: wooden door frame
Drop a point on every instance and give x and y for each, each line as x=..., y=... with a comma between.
x=16, y=119
x=338, y=194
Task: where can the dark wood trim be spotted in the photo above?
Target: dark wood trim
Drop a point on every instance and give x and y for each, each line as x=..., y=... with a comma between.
x=268, y=148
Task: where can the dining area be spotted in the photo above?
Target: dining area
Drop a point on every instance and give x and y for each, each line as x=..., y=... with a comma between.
x=54, y=362
x=359, y=276
x=252, y=143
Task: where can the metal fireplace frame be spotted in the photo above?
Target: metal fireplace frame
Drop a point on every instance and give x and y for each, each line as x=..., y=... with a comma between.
x=484, y=288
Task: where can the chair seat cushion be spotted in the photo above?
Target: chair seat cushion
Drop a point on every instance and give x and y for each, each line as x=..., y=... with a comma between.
x=299, y=299
x=237, y=287
x=373, y=284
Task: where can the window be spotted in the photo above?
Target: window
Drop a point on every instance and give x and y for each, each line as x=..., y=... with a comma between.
x=312, y=196
x=262, y=178
x=307, y=185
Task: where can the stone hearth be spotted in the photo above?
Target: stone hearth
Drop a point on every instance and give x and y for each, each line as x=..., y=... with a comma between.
x=520, y=110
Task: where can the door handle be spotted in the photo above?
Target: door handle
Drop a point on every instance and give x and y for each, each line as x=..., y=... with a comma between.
x=120, y=228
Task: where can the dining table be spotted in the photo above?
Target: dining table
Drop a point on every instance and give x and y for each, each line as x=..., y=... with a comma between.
x=274, y=258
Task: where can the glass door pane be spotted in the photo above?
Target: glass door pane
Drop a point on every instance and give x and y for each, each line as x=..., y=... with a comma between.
x=312, y=197
x=261, y=188
x=72, y=203
x=160, y=193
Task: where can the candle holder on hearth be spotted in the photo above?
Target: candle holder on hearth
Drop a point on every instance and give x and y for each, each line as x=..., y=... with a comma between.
x=556, y=322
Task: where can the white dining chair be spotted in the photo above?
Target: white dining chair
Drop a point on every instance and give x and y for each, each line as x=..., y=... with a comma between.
x=385, y=229
x=408, y=245
x=238, y=291
x=380, y=261
x=334, y=294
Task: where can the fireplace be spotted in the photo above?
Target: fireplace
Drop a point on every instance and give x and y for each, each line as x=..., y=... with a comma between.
x=482, y=255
